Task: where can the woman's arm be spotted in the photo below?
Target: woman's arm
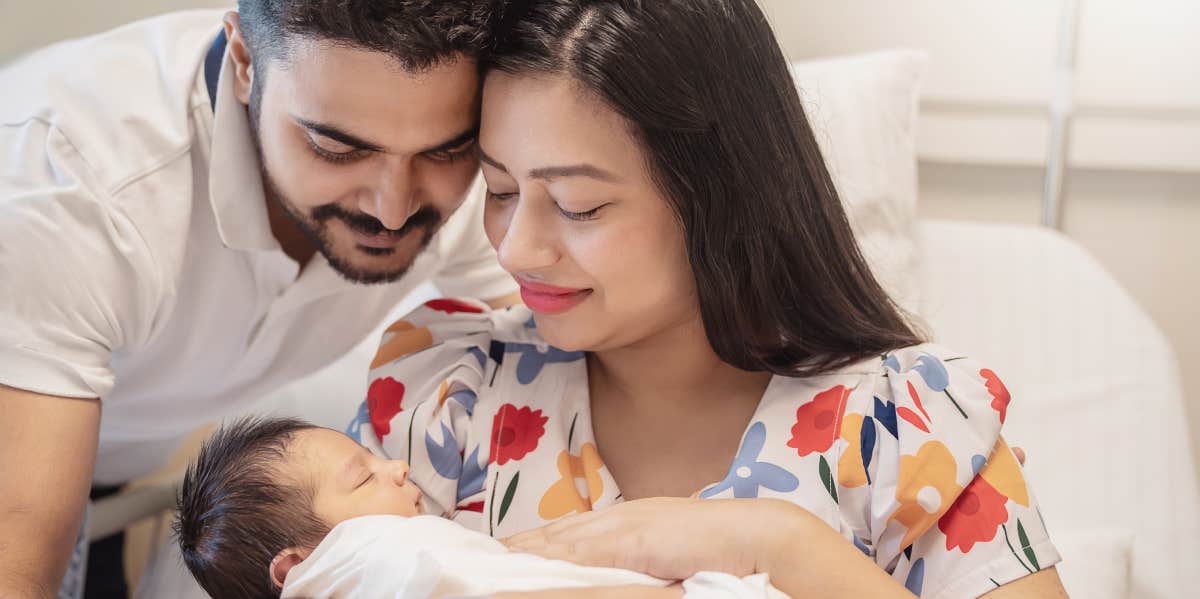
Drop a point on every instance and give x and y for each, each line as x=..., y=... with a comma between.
x=1040, y=584
x=632, y=591
x=676, y=538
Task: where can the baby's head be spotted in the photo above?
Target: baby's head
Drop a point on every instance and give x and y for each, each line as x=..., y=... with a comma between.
x=264, y=492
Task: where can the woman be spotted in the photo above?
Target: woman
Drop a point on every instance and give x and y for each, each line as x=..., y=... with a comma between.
x=709, y=358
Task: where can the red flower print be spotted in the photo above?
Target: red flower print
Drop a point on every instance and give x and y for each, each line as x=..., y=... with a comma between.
x=975, y=516
x=384, y=397
x=819, y=421
x=911, y=416
x=1000, y=396
x=515, y=432
x=450, y=306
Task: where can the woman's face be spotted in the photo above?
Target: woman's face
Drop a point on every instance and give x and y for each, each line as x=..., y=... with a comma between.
x=575, y=218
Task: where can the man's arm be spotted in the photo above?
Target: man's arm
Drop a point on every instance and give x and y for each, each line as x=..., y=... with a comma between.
x=47, y=451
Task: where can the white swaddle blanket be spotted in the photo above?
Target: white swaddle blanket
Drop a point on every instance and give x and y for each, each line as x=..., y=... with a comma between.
x=392, y=557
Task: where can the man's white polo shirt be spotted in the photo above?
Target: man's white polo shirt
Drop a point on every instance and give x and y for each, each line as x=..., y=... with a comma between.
x=136, y=261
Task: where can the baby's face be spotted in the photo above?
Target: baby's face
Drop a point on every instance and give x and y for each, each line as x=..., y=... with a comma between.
x=351, y=481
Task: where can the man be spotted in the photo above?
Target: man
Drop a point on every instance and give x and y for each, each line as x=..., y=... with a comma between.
x=191, y=215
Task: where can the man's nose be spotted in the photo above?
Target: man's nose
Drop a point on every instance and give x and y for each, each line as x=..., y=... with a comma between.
x=392, y=199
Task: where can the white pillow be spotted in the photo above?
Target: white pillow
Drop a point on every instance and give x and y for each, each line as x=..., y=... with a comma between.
x=863, y=111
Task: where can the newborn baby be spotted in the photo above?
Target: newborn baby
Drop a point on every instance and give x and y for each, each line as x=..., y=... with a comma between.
x=278, y=507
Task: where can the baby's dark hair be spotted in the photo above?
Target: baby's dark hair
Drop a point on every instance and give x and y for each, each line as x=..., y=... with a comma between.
x=236, y=510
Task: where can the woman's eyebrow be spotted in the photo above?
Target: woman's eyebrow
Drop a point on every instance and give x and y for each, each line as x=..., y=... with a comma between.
x=574, y=170
x=555, y=172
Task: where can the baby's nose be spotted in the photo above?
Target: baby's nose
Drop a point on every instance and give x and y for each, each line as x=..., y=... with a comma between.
x=400, y=472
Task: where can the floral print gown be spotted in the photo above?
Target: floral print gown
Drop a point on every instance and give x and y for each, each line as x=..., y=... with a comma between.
x=901, y=454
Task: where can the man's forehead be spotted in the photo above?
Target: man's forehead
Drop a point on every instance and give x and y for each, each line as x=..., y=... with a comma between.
x=367, y=95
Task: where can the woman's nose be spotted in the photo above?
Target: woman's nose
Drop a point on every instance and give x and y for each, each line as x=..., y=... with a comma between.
x=525, y=245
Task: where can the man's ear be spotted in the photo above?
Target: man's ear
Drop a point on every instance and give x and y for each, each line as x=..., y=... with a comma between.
x=284, y=561
x=239, y=52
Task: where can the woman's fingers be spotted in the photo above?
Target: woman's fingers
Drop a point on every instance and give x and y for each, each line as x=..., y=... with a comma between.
x=1020, y=453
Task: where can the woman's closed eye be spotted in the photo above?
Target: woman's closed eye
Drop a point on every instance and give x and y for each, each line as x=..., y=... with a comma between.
x=578, y=216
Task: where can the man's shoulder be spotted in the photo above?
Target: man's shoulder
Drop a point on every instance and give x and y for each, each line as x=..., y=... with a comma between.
x=122, y=99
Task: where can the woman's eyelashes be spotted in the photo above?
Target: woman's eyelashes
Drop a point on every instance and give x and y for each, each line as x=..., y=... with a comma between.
x=578, y=216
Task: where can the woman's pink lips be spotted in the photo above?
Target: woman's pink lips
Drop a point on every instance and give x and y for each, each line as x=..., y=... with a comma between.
x=550, y=299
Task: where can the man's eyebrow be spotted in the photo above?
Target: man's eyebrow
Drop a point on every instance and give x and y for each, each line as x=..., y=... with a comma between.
x=338, y=135
x=455, y=141
x=554, y=172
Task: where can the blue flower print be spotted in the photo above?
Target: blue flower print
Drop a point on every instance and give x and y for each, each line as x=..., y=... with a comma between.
x=931, y=369
x=747, y=474
x=446, y=459
x=466, y=398
x=473, y=476
x=532, y=359
x=362, y=418
x=933, y=372
x=916, y=577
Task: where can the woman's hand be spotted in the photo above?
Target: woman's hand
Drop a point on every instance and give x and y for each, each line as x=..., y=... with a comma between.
x=666, y=537
x=675, y=538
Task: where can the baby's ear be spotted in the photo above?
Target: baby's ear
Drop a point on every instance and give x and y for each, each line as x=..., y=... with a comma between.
x=284, y=561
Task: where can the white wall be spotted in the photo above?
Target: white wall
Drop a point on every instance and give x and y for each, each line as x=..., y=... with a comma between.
x=1132, y=194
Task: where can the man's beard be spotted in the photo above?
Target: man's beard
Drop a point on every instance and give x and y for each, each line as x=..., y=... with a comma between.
x=427, y=219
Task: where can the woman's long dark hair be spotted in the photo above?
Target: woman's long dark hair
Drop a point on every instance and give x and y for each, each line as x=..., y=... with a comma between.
x=703, y=83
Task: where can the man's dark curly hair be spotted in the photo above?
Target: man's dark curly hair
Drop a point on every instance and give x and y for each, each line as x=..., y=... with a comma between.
x=417, y=33
x=238, y=510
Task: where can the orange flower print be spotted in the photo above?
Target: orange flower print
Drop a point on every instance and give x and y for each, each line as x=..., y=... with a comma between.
x=925, y=488
x=1004, y=474
x=515, y=432
x=563, y=497
x=998, y=391
x=819, y=421
x=852, y=471
x=401, y=339
x=975, y=516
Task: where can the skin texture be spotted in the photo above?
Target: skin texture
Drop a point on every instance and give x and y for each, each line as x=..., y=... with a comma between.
x=347, y=482
x=38, y=529
x=417, y=134
x=641, y=301
x=640, y=324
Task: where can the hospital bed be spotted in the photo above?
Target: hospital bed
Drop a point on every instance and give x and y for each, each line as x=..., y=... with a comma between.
x=1096, y=393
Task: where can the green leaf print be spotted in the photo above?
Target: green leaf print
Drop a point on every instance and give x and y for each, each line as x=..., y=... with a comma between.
x=827, y=479
x=508, y=497
x=1025, y=546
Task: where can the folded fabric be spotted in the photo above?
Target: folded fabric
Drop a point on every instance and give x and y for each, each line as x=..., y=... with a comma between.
x=391, y=557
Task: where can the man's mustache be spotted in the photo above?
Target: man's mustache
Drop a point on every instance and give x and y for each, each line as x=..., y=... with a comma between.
x=424, y=218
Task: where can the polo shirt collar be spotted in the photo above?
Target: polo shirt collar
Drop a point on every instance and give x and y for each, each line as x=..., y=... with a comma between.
x=235, y=183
